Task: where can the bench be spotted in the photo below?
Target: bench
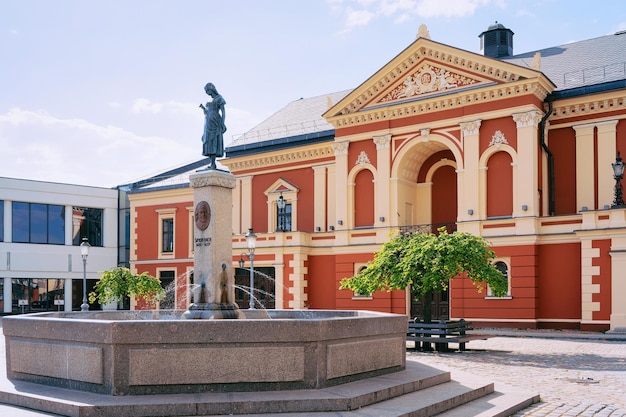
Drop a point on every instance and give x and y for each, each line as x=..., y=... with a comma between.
x=440, y=333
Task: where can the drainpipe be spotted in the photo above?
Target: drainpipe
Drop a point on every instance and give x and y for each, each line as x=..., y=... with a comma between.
x=542, y=139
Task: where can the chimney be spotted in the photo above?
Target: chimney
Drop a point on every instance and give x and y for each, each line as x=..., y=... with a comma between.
x=496, y=41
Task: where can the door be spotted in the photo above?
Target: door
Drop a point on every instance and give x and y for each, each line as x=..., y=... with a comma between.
x=440, y=306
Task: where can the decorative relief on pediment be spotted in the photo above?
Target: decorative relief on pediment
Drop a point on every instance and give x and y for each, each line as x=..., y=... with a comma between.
x=428, y=79
x=362, y=159
x=498, y=139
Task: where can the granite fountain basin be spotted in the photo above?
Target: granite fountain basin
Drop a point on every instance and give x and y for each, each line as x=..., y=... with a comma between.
x=157, y=352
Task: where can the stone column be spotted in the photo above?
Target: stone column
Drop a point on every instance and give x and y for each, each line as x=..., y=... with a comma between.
x=212, y=198
x=341, y=172
x=585, y=184
x=607, y=138
x=469, y=191
x=382, y=193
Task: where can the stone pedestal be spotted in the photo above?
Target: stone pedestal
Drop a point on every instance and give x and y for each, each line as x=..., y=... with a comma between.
x=214, y=290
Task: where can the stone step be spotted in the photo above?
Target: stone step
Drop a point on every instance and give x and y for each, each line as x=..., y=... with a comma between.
x=345, y=397
x=464, y=396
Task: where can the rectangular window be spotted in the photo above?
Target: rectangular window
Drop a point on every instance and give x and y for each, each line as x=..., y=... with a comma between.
x=87, y=224
x=38, y=223
x=167, y=279
x=168, y=235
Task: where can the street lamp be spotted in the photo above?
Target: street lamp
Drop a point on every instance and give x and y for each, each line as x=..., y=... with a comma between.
x=618, y=174
x=84, y=252
x=280, y=203
x=251, y=241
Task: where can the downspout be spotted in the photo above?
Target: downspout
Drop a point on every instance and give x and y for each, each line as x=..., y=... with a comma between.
x=542, y=139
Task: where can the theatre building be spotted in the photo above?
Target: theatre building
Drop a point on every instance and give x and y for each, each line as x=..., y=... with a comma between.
x=515, y=148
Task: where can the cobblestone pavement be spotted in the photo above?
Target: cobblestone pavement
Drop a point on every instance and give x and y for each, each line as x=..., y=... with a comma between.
x=574, y=377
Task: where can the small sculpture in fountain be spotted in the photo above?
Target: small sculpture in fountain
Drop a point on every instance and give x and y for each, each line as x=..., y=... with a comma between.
x=214, y=303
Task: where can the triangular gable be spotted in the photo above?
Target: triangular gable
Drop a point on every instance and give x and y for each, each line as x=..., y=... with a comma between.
x=281, y=185
x=428, y=69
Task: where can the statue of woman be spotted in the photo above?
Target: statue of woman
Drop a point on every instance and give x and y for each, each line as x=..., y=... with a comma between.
x=214, y=127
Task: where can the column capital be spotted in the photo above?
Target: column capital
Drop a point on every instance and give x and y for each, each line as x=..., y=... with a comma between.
x=470, y=128
x=527, y=119
x=340, y=148
x=382, y=141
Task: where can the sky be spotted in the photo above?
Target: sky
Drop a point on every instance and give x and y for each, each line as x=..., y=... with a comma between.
x=103, y=93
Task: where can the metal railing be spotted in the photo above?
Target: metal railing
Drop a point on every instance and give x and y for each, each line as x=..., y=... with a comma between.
x=595, y=75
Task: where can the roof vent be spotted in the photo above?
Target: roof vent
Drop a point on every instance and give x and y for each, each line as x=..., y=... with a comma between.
x=496, y=41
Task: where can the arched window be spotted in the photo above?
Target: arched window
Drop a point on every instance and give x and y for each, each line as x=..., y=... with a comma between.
x=504, y=269
x=364, y=199
x=500, y=185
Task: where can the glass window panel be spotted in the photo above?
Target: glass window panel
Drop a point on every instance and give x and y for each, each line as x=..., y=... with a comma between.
x=87, y=223
x=168, y=235
x=56, y=224
x=38, y=223
x=21, y=222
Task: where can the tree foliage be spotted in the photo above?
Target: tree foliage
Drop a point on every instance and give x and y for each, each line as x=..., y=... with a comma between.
x=427, y=262
x=116, y=283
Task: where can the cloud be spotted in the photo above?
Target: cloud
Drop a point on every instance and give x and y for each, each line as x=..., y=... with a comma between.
x=361, y=12
x=38, y=145
x=144, y=105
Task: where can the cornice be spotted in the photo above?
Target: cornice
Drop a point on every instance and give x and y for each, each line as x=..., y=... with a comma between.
x=289, y=156
x=588, y=106
x=440, y=103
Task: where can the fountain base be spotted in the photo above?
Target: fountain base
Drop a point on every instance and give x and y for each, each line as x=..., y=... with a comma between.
x=213, y=311
x=155, y=352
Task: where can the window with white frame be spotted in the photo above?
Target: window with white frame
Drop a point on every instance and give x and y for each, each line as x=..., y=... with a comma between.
x=166, y=232
x=503, y=267
x=358, y=267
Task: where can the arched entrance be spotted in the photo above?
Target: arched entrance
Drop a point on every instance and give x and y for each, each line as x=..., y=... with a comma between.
x=434, y=201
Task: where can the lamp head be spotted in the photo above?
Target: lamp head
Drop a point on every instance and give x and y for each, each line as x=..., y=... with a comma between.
x=251, y=240
x=281, y=202
x=84, y=248
x=618, y=167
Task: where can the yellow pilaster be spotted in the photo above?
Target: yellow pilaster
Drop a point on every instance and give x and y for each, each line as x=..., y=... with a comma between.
x=469, y=191
x=526, y=175
x=606, y=156
x=319, y=196
x=585, y=189
x=382, y=183
x=342, y=190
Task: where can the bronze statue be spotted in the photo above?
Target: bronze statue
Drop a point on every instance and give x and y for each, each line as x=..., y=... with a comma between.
x=214, y=126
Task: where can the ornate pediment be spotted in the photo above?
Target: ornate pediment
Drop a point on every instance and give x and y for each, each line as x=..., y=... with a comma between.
x=429, y=76
x=429, y=79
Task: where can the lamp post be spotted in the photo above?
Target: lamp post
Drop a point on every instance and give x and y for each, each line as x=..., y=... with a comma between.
x=618, y=174
x=251, y=241
x=84, y=252
x=280, y=203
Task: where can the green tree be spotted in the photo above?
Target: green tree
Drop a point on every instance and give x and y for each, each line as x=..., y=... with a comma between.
x=116, y=283
x=427, y=262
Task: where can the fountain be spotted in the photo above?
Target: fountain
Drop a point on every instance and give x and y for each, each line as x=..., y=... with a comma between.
x=213, y=347
x=204, y=349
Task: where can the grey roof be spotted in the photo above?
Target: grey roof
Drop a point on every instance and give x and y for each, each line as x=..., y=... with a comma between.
x=578, y=64
x=300, y=117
